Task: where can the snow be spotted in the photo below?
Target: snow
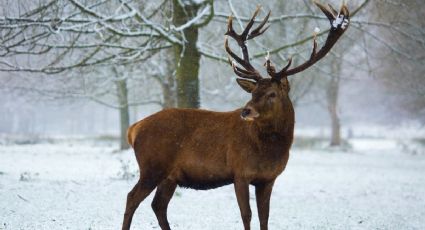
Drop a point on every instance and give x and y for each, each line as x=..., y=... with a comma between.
x=191, y=2
x=268, y=56
x=340, y=20
x=194, y=20
x=80, y=185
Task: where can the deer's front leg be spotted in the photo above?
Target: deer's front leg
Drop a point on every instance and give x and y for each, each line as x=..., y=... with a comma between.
x=263, y=192
x=242, y=195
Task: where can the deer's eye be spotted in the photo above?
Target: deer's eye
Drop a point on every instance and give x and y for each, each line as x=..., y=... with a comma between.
x=272, y=95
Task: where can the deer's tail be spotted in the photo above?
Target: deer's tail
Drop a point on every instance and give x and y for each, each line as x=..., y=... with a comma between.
x=131, y=135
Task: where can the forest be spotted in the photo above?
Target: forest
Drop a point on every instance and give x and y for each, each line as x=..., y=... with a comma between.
x=76, y=74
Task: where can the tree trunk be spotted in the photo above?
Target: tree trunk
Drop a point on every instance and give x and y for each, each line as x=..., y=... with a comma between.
x=332, y=99
x=187, y=59
x=169, y=83
x=335, y=125
x=122, y=92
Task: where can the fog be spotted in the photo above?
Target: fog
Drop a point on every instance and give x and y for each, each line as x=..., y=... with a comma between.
x=362, y=102
x=380, y=82
x=75, y=75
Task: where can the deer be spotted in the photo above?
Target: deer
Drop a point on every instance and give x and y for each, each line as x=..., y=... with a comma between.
x=201, y=149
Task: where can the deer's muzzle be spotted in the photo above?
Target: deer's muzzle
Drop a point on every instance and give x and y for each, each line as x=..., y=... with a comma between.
x=249, y=114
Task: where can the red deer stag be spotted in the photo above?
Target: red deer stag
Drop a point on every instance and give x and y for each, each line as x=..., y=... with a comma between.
x=202, y=149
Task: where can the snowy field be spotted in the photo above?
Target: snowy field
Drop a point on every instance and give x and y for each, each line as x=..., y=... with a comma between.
x=376, y=184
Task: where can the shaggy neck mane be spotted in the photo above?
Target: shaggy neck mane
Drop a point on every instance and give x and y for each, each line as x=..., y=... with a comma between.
x=281, y=124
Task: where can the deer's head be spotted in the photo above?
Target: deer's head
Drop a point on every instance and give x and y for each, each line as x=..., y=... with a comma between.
x=270, y=96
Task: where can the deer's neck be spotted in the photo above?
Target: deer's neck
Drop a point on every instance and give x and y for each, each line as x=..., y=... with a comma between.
x=273, y=139
x=276, y=129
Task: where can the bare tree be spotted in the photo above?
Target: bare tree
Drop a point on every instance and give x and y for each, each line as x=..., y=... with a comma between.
x=187, y=56
x=73, y=36
x=398, y=39
x=160, y=45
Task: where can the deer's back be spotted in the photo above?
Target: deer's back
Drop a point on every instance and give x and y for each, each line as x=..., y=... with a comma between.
x=191, y=144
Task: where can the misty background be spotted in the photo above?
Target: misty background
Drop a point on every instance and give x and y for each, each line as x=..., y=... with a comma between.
x=62, y=69
x=74, y=74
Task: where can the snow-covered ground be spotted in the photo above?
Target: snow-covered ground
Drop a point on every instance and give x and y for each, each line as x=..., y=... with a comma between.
x=377, y=184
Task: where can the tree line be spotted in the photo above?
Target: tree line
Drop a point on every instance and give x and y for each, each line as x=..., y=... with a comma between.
x=133, y=53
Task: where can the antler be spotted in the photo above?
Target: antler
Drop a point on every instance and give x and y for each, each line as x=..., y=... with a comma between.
x=249, y=71
x=339, y=24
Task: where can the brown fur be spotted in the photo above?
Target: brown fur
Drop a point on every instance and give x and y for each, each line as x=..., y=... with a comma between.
x=202, y=149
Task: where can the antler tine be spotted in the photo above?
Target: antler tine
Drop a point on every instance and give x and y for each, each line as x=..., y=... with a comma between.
x=332, y=10
x=250, y=23
x=271, y=70
x=244, y=73
x=339, y=24
x=345, y=11
x=237, y=68
x=257, y=31
x=282, y=72
x=241, y=72
x=329, y=11
x=230, y=32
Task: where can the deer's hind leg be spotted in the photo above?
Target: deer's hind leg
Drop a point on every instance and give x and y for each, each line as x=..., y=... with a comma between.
x=141, y=190
x=163, y=195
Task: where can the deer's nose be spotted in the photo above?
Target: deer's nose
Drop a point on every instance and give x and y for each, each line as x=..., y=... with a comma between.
x=245, y=112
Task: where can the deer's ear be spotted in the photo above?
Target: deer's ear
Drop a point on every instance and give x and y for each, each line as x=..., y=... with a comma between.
x=248, y=86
